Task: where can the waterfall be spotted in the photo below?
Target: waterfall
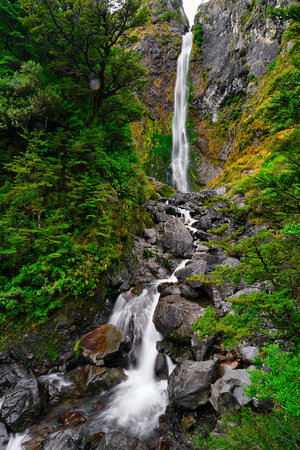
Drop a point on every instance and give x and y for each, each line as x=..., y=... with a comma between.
x=136, y=404
x=180, y=149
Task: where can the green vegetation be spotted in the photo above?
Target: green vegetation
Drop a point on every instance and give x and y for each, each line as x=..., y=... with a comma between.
x=198, y=35
x=70, y=185
x=271, y=257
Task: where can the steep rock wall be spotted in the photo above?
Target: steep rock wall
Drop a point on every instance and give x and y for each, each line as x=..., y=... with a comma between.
x=239, y=44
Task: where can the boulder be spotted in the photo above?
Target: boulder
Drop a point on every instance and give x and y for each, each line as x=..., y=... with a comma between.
x=201, y=347
x=23, y=404
x=161, y=367
x=96, y=379
x=103, y=345
x=189, y=383
x=228, y=393
x=176, y=238
x=71, y=438
x=195, y=267
x=120, y=441
x=247, y=354
x=10, y=375
x=176, y=314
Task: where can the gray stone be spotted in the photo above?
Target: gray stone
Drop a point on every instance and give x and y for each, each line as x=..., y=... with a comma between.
x=195, y=267
x=23, y=404
x=150, y=235
x=77, y=438
x=201, y=347
x=247, y=354
x=176, y=314
x=177, y=239
x=161, y=367
x=119, y=441
x=228, y=394
x=189, y=383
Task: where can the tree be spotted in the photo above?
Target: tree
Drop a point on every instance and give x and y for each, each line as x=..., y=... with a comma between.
x=91, y=41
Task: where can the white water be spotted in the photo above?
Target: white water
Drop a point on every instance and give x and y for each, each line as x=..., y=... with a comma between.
x=16, y=441
x=180, y=149
x=138, y=402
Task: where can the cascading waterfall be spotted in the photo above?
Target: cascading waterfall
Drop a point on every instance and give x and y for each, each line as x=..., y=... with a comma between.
x=137, y=403
x=180, y=149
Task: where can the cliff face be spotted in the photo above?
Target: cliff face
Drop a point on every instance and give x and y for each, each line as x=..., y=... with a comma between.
x=238, y=45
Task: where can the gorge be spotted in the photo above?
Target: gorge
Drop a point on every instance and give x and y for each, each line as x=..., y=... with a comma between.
x=134, y=314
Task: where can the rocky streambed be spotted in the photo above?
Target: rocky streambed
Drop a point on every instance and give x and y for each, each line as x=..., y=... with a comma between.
x=143, y=380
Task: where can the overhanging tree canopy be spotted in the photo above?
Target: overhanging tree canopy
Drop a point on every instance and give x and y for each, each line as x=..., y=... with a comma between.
x=90, y=40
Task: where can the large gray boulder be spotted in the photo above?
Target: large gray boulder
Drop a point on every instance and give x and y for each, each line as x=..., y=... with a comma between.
x=77, y=438
x=177, y=239
x=176, y=314
x=228, y=392
x=23, y=404
x=120, y=441
x=195, y=267
x=189, y=383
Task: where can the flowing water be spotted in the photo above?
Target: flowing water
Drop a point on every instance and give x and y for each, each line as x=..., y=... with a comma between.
x=137, y=403
x=180, y=149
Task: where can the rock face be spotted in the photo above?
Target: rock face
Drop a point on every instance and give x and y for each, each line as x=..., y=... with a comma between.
x=3, y=436
x=102, y=345
x=238, y=40
x=189, y=384
x=177, y=239
x=176, y=314
x=23, y=404
x=239, y=44
x=227, y=393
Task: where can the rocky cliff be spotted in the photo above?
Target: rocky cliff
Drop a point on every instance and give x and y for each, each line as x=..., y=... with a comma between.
x=238, y=45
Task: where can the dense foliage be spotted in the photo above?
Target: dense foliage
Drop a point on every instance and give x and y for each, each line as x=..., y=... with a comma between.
x=70, y=181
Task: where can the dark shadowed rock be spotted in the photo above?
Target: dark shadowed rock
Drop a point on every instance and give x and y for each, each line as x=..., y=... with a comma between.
x=23, y=404
x=96, y=379
x=120, y=441
x=161, y=367
x=78, y=438
x=174, y=313
x=10, y=375
x=177, y=239
x=189, y=384
x=228, y=393
x=201, y=347
x=102, y=345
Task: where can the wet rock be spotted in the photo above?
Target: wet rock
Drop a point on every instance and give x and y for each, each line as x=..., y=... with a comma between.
x=103, y=345
x=71, y=438
x=10, y=374
x=176, y=314
x=23, y=404
x=168, y=348
x=189, y=383
x=161, y=367
x=120, y=441
x=163, y=444
x=96, y=379
x=177, y=239
x=73, y=419
x=3, y=436
x=228, y=394
x=201, y=347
